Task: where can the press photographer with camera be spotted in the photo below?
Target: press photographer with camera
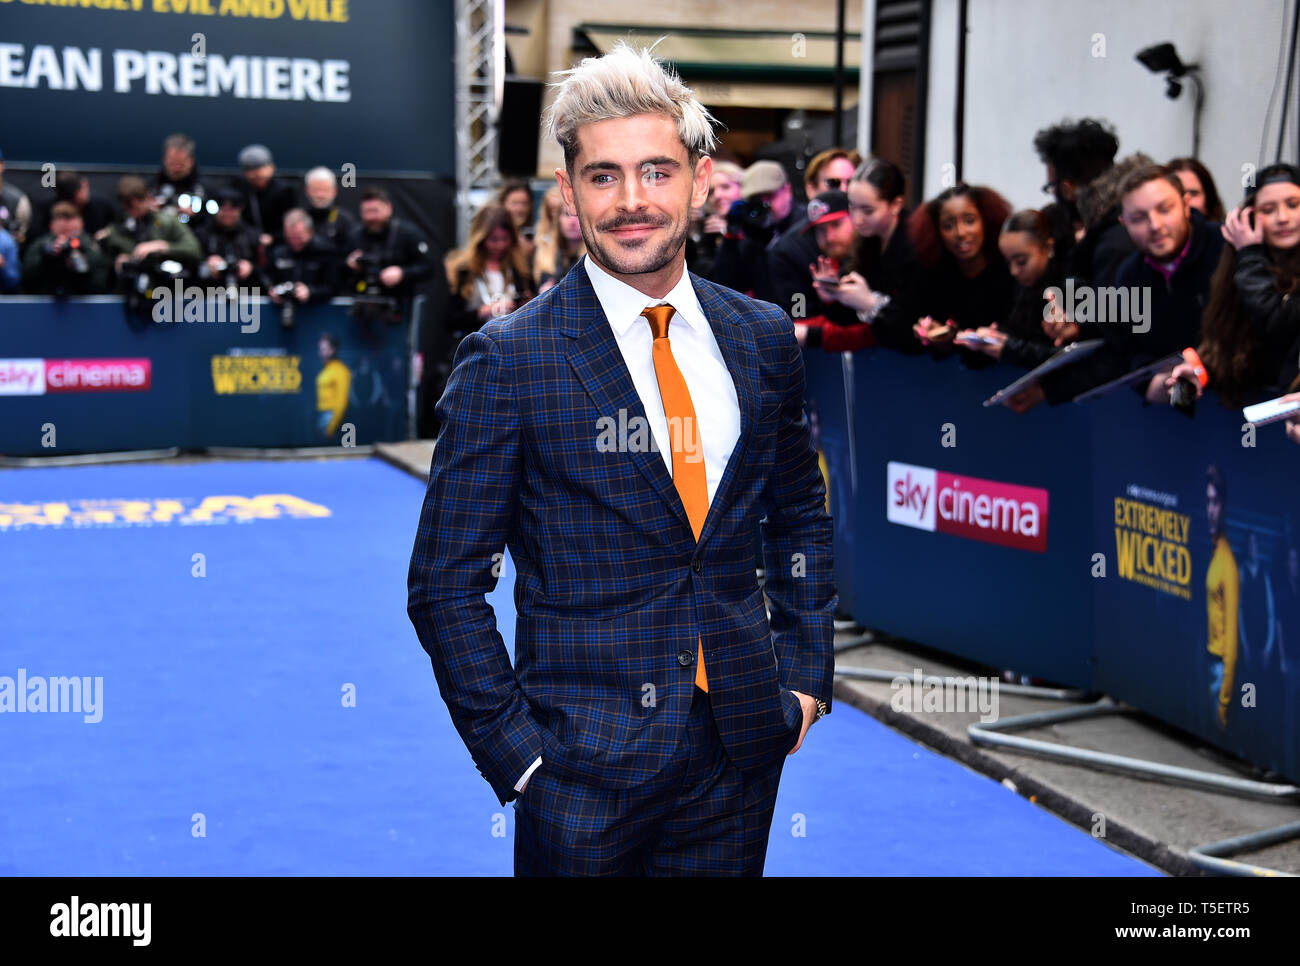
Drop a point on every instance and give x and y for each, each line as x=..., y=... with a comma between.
x=146, y=238
x=96, y=213
x=66, y=261
x=303, y=269
x=334, y=225
x=388, y=259
x=266, y=198
x=177, y=184
x=756, y=224
x=232, y=245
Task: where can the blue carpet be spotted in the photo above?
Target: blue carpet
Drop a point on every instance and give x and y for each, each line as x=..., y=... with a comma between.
x=224, y=696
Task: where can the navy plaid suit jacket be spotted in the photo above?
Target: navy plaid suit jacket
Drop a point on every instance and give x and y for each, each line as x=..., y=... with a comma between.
x=611, y=588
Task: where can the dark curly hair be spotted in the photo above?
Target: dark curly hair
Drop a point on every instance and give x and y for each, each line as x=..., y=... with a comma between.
x=1078, y=150
x=923, y=226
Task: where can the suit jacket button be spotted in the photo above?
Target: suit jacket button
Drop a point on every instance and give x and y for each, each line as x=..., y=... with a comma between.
x=684, y=658
x=697, y=565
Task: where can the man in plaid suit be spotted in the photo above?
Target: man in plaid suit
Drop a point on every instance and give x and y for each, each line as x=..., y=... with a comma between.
x=623, y=435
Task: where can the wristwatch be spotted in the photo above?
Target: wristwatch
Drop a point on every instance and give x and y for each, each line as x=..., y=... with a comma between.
x=822, y=710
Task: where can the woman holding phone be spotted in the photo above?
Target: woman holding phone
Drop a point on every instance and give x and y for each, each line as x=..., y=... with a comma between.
x=883, y=264
x=962, y=281
x=1026, y=242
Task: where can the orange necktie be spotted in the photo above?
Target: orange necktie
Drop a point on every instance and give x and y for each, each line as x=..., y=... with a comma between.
x=688, y=474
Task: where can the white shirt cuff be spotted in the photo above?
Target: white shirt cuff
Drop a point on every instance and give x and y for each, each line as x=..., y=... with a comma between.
x=519, y=785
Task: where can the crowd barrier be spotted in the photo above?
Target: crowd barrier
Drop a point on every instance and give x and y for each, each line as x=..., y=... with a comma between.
x=76, y=376
x=1072, y=543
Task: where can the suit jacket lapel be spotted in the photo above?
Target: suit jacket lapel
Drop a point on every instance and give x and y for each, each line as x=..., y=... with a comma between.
x=598, y=363
x=737, y=344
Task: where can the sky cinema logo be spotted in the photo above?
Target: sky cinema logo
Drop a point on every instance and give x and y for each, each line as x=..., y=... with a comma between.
x=966, y=506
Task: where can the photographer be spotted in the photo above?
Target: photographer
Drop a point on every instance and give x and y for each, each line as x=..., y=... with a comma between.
x=144, y=239
x=230, y=242
x=334, y=225
x=66, y=261
x=15, y=207
x=177, y=185
x=755, y=224
x=389, y=257
x=96, y=213
x=266, y=199
x=303, y=269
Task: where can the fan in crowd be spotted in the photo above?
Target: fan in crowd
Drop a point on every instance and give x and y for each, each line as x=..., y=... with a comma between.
x=559, y=241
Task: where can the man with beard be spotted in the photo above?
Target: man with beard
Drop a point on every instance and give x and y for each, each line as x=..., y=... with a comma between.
x=629, y=744
x=1177, y=251
x=388, y=248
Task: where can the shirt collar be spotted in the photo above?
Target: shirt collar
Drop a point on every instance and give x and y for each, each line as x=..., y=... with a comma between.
x=623, y=304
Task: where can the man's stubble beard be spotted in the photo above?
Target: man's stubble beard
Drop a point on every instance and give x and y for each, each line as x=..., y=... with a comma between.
x=636, y=262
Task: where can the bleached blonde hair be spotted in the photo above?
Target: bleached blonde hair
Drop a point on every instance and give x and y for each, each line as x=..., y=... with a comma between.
x=627, y=81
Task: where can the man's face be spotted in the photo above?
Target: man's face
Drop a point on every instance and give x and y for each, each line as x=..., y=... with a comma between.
x=1156, y=216
x=1213, y=509
x=177, y=163
x=375, y=214
x=228, y=214
x=780, y=201
x=834, y=176
x=321, y=192
x=297, y=234
x=66, y=227
x=137, y=208
x=1062, y=189
x=259, y=178
x=835, y=238
x=325, y=349
x=1277, y=210
x=633, y=189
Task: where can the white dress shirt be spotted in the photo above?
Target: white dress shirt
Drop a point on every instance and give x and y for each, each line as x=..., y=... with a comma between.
x=696, y=352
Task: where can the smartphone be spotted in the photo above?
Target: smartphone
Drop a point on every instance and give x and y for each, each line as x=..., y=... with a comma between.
x=1269, y=411
x=826, y=281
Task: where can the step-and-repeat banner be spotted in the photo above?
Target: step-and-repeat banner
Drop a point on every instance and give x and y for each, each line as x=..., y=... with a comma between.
x=321, y=82
x=1106, y=545
x=80, y=376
